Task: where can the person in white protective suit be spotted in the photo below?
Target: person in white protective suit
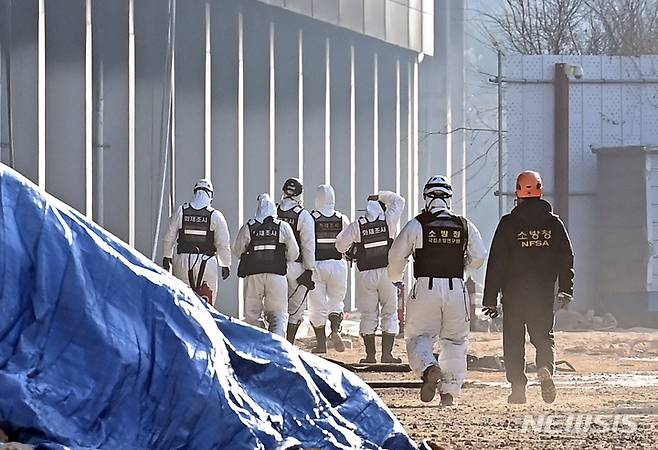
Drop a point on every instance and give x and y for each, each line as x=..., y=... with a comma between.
x=198, y=242
x=326, y=301
x=445, y=246
x=265, y=246
x=368, y=240
x=300, y=271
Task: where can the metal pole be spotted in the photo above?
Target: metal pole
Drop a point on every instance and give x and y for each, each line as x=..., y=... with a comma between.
x=165, y=127
x=561, y=136
x=499, y=82
x=172, y=112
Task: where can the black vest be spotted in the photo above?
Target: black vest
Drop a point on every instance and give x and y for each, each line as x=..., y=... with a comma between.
x=445, y=239
x=195, y=235
x=326, y=230
x=264, y=254
x=372, y=251
x=291, y=216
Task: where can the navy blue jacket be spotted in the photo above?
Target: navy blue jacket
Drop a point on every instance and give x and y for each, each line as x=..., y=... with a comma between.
x=530, y=251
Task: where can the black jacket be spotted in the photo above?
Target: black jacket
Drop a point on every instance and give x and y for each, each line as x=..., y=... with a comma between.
x=529, y=252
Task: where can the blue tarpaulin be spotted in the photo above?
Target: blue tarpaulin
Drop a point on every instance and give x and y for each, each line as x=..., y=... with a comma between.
x=100, y=348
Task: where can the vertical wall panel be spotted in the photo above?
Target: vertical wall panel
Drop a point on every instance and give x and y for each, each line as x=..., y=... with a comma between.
x=256, y=106
x=327, y=10
x=374, y=18
x=190, y=95
x=224, y=34
x=151, y=83
x=404, y=132
x=300, y=6
x=314, y=112
x=24, y=86
x=387, y=113
x=340, y=122
x=340, y=134
x=287, y=96
x=436, y=102
x=351, y=14
x=364, y=61
x=110, y=24
x=65, y=90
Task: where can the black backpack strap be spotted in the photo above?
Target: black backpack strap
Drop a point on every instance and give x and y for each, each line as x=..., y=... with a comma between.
x=464, y=222
x=425, y=217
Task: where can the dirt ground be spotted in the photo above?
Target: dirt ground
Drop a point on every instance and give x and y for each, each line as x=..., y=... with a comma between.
x=611, y=402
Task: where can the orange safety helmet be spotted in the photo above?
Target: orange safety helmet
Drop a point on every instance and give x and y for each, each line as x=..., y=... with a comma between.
x=529, y=185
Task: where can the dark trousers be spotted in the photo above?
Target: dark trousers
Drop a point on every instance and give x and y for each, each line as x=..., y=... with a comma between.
x=538, y=319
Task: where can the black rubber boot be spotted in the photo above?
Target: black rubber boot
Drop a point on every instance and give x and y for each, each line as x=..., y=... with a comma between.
x=292, y=332
x=387, y=348
x=335, y=320
x=369, y=342
x=321, y=337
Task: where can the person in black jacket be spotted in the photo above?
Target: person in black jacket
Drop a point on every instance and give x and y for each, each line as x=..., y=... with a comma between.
x=530, y=251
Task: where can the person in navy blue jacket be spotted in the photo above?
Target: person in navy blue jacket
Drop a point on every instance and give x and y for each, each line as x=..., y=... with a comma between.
x=530, y=252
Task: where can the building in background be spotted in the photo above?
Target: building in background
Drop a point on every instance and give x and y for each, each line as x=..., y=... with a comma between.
x=118, y=107
x=612, y=108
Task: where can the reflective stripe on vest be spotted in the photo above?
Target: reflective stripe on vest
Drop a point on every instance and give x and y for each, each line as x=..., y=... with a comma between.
x=265, y=254
x=372, y=251
x=195, y=235
x=326, y=230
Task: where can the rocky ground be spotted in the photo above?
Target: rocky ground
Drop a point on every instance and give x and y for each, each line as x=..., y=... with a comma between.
x=611, y=402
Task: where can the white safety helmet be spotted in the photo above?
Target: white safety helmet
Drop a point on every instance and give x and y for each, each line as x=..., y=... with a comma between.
x=437, y=186
x=204, y=185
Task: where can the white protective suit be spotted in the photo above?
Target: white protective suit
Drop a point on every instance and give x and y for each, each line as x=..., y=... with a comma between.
x=306, y=227
x=331, y=275
x=438, y=313
x=374, y=289
x=182, y=261
x=266, y=294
